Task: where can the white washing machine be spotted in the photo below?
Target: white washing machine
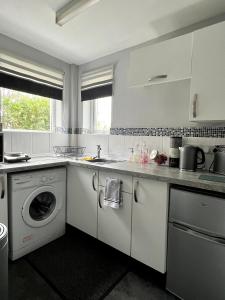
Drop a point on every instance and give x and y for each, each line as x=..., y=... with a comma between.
x=37, y=205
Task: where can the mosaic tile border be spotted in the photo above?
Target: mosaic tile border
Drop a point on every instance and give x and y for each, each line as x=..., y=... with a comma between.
x=213, y=132
x=71, y=130
x=210, y=132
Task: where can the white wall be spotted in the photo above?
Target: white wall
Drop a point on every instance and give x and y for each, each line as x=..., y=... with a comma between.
x=34, y=143
x=42, y=143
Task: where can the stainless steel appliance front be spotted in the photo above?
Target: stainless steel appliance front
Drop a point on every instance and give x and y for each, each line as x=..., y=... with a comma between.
x=196, y=245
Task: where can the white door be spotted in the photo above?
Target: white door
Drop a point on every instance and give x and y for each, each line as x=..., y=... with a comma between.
x=114, y=225
x=149, y=223
x=162, y=62
x=208, y=74
x=3, y=200
x=82, y=185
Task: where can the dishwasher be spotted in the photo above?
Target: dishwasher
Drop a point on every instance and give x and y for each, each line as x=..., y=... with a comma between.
x=196, y=244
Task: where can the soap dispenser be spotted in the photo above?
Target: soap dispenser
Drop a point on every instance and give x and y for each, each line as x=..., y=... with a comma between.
x=131, y=157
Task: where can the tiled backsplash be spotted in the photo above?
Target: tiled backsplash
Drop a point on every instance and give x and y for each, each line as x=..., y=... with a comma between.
x=114, y=145
x=34, y=143
x=118, y=145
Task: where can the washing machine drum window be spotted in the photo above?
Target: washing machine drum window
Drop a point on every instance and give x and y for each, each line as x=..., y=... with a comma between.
x=41, y=207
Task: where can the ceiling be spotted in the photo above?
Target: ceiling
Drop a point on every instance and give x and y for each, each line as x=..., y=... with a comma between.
x=106, y=27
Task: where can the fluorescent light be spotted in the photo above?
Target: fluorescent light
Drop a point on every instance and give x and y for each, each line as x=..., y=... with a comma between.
x=72, y=9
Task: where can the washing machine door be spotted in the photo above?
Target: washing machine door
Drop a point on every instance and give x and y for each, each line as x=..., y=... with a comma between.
x=41, y=207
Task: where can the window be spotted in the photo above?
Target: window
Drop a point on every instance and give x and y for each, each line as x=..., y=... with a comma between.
x=30, y=95
x=96, y=96
x=25, y=111
x=97, y=115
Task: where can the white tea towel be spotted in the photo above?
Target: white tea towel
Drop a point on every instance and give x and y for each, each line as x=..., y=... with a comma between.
x=113, y=194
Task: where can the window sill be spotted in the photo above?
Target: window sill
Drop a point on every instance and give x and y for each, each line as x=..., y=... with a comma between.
x=25, y=131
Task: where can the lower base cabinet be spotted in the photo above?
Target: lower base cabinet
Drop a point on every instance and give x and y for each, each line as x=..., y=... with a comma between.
x=138, y=228
x=149, y=223
x=114, y=225
x=82, y=186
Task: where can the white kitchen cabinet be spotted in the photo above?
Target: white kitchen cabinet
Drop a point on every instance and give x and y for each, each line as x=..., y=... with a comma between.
x=114, y=225
x=149, y=223
x=3, y=200
x=82, y=186
x=126, y=180
x=166, y=61
x=208, y=74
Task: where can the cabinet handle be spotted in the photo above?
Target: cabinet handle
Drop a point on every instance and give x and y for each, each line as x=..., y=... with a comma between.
x=3, y=187
x=163, y=76
x=99, y=198
x=93, y=182
x=135, y=191
x=194, y=106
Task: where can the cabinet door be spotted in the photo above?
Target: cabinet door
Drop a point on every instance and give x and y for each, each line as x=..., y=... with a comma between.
x=82, y=186
x=3, y=200
x=114, y=225
x=149, y=223
x=126, y=180
x=163, y=62
x=208, y=74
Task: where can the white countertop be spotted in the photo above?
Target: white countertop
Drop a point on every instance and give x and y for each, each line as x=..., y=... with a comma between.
x=151, y=171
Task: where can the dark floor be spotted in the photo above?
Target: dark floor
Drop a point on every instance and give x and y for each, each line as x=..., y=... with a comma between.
x=27, y=282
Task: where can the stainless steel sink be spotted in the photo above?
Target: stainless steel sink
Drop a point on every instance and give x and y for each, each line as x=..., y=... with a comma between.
x=102, y=160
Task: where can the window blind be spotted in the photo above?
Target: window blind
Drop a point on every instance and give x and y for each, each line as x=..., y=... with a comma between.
x=97, y=84
x=20, y=75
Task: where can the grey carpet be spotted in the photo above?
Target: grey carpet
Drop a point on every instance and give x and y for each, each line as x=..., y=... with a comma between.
x=79, y=267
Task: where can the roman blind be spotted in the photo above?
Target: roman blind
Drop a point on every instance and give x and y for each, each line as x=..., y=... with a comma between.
x=24, y=76
x=97, y=84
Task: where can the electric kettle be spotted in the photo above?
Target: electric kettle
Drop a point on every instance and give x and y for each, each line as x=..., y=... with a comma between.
x=190, y=158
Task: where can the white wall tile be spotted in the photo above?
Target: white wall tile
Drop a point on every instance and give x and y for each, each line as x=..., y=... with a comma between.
x=90, y=141
x=73, y=139
x=131, y=142
x=153, y=142
x=7, y=142
x=166, y=144
x=40, y=143
x=116, y=145
x=21, y=142
x=58, y=139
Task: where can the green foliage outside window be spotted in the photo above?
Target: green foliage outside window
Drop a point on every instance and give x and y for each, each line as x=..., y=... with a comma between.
x=25, y=111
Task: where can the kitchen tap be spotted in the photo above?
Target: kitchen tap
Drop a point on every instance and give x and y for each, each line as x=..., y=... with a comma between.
x=98, y=151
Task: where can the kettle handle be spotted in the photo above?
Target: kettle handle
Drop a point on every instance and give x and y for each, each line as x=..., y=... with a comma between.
x=203, y=156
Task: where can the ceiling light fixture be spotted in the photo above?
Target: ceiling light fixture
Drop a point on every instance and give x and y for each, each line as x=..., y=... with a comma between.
x=72, y=9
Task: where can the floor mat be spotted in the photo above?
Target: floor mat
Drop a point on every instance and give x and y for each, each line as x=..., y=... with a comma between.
x=26, y=284
x=79, y=267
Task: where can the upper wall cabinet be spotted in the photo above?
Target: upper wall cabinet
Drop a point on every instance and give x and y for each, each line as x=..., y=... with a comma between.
x=163, y=62
x=208, y=74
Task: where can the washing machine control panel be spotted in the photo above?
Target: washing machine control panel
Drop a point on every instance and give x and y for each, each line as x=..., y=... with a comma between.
x=47, y=179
